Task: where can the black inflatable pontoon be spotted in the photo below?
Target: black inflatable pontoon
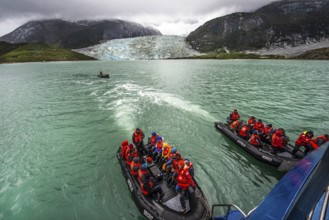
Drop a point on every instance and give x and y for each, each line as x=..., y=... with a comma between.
x=169, y=206
x=284, y=160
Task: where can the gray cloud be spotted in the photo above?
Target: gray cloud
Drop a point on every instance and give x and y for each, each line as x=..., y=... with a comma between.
x=171, y=11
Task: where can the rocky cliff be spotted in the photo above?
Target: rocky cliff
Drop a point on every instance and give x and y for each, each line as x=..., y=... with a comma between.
x=279, y=24
x=77, y=34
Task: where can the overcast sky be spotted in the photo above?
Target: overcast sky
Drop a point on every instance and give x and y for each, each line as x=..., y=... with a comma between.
x=176, y=17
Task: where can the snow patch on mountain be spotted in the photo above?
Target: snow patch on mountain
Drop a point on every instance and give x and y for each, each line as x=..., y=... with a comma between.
x=289, y=51
x=141, y=48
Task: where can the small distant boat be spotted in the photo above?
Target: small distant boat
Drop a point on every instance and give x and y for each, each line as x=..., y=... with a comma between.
x=284, y=161
x=303, y=193
x=103, y=75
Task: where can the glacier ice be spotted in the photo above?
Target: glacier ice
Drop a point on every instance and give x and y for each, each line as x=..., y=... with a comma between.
x=141, y=48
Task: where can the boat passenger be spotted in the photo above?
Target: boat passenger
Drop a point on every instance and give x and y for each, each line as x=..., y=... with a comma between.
x=245, y=131
x=266, y=135
x=134, y=166
x=124, y=147
x=319, y=140
x=303, y=140
x=171, y=178
x=251, y=120
x=148, y=184
x=171, y=157
x=137, y=139
x=277, y=142
x=100, y=73
x=234, y=116
x=131, y=153
x=189, y=166
x=184, y=181
x=255, y=139
x=166, y=151
x=259, y=126
x=158, y=149
x=153, y=138
x=236, y=126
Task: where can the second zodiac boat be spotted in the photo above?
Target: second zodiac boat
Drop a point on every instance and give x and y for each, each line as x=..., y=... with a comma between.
x=284, y=161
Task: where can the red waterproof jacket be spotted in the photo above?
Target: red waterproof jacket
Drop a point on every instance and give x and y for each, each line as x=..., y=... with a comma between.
x=303, y=140
x=255, y=140
x=277, y=140
x=259, y=126
x=184, y=179
x=316, y=140
x=244, y=130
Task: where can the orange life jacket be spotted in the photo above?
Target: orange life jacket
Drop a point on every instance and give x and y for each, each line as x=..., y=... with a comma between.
x=235, y=125
x=303, y=140
x=235, y=116
x=254, y=140
x=141, y=173
x=138, y=137
x=244, y=130
x=152, y=141
x=147, y=190
x=251, y=121
x=267, y=130
x=131, y=154
x=134, y=167
x=184, y=179
x=124, y=146
x=277, y=141
x=259, y=126
x=314, y=142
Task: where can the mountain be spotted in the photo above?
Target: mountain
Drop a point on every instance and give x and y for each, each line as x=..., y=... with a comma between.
x=77, y=34
x=141, y=48
x=36, y=52
x=279, y=24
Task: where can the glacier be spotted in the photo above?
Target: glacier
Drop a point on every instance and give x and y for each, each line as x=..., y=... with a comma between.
x=141, y=48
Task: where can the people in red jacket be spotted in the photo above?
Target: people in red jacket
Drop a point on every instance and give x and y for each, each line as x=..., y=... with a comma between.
x=319, y=140
x=236, y=126
x=277, y=142
x=184, y=181
x=245, y=131
x=124, y=147
x=267, y=136
x=259, y=126
x=137, y=139
x=251, y=121
x=131, y=153
x=148, y=184
x=303, y=140
x=255, y=139
x=134, y=166
x=234, y=116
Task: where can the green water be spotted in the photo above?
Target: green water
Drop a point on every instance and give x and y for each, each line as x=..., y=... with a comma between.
x=60, y=127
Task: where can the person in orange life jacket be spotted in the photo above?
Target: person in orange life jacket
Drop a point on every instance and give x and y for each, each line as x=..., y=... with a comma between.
x=131, y=153
x=134, y=166
x=265, y=137
x=152, y=142
x=166, y=151
x=251, y=121
x=173, y=169
x=255, y=139
x=236, y=126
x=137, y=138
x=259, y=126
x=158, y=149
x=245, y=131
x=277, y=142
x=189, y=166
x=319, y=140
x=234, y=116
x=124, y=147
x=148, y=184
x=184, y=181
x=304, y=139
